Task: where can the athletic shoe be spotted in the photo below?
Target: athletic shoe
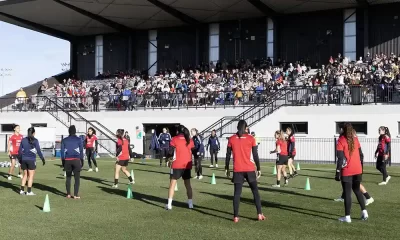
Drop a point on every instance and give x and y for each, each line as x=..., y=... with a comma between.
x=290, y=176
x=296, y=174
x=235, y=219
x=97, y=169
x=211, y=166
x=30, y=194
x=115, y=186
x=382, y=183
x=364, y=215
x=387, y=179
x=90, y=170
x=216, y=165
x=261, y=217
x=195, y=177
x=133, y=182
x=77, y=197
x=167, y=207
x=369, y=201
x=345, y=219
x=19, y=175
x=276, y=186
x=190, y=205
x=286, y=182
x=65, y=174
x=9, y=178
x=200, y=177
x=21, y=192
x=68, y=196
x=339, y=199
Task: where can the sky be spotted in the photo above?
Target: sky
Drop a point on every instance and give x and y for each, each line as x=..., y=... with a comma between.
x=31, y=55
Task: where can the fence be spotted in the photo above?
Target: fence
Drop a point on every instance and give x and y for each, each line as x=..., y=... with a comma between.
x=300, y=96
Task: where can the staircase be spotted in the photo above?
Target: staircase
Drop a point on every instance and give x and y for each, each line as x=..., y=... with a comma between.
x=252, y=115
x=106, y=138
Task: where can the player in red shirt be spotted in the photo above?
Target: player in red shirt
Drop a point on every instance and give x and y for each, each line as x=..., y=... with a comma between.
x=349, y=170
x=181, y=147
x=91, y=146
x=282, y=159
x=291, y=151
x=382, y=153
x=12, y=150
x=124, y=154
x=241, y=146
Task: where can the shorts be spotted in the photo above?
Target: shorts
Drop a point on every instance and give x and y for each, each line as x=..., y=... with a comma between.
x=13, y=157
x=28, y=165
x=282, y=160
x=72, y=165
x=176, y=174
x=164, y=152
x=291, y=156
x=354, y=178
x=239, y=177
x=123, y=163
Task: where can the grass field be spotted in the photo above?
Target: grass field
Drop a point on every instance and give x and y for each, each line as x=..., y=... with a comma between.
x=105, y=213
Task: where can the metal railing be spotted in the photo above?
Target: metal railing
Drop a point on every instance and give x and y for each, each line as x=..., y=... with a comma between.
x=317, y=95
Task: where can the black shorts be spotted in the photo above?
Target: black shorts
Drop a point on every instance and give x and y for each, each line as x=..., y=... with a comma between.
x=123, y=163
x=239, y=177
x=354, y=178
x=73, y=165
x=282, y=160
x=292, y=157
x=164, y=152
x=28, y=165
x=185, y=174
x=13, y=157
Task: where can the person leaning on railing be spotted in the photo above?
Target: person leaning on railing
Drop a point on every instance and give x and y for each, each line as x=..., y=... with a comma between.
x=20, y=99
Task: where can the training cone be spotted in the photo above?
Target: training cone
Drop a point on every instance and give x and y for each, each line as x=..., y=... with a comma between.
x=213, y=181
x=132, y=175
x=46, y=205
x=308, y=187
x=298, y=167
x=274, y=170
x=176, y=187
x=129, y=192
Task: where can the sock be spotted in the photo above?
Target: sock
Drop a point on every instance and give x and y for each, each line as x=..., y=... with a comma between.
x=366, y=195
x=29, y=189
x=169, y=201
x=285, y=178
x=115, y=181
x=190, y=202
x=130, y=178
x=23, y=188
x=278, y=182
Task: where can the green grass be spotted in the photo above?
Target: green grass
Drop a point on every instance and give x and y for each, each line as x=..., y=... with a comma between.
x=105, y=213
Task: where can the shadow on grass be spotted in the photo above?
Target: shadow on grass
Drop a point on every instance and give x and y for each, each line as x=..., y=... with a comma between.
x=46, y=188
x=276, y=205
x=40, y=208
x=11, y=186
x=97, y=180
x=151, y=171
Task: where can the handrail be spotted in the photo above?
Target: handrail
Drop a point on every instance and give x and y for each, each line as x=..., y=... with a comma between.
x=95, y=121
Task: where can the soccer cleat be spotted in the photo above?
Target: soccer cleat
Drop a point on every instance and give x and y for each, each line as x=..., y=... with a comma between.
x=276, y=186
x=387, y=179
x=30, y=194
x=345, y=219
x=115, y=186
x=77, y=197
x=261, y=217
x=369, y=201
x=296, y=174
x=19, y=175
x=339, y=199
x=133, y=182
x=90, y=170
x=195, y=177
x=68, y=196
x=21, y=192
x=200, y=177
x=235, y=219
x=211, y=166
x=168, y=207
x=65, y=174
x=216, y=165
x=190, y=205
x=382, y=183
x=9, y=178
x=286, y=182
x=97, y=169
x=364, y=215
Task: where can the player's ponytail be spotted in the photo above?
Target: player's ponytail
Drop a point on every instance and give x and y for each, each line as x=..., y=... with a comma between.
x=186, y=134
x=241, y=127
x=31, y=135
x=387, y=132
x=348, y=132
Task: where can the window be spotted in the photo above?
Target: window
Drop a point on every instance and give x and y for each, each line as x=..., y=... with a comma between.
x=99, y=55
x=39, y=124
x=359, y=127
x=7, y=127
x=298, y=127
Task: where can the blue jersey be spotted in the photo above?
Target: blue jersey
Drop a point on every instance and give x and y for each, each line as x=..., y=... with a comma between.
x=27, y=151
x=213, y=143
x=198, y=146
x=72, y=148
x=164, y=139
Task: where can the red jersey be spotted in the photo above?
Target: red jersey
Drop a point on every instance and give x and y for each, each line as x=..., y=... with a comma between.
x=291, y=146
x=284, y=147
x=241, y=151
x=183, y=153
x=124, y=155
x=90, y=141
x=383, y=145
x=353, y=161
x=15, y=141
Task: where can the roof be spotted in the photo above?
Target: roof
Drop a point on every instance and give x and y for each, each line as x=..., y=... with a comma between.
x=147, y=14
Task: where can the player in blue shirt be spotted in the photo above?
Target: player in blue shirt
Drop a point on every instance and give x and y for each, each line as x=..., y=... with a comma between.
x=27, y=152
x=72, y=159
x=164, y=139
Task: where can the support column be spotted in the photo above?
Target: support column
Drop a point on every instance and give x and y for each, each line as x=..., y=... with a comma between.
x=270, y=39
x=99, y=55
x=366, y=31
x=152, y=54
x=213, y=41
x=73, y=59
x=350, y=34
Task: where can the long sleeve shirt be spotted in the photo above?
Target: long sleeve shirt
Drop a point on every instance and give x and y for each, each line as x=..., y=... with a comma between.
x=164, y=139
x=28, y=151
x=72, y=148
x=213, y=143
